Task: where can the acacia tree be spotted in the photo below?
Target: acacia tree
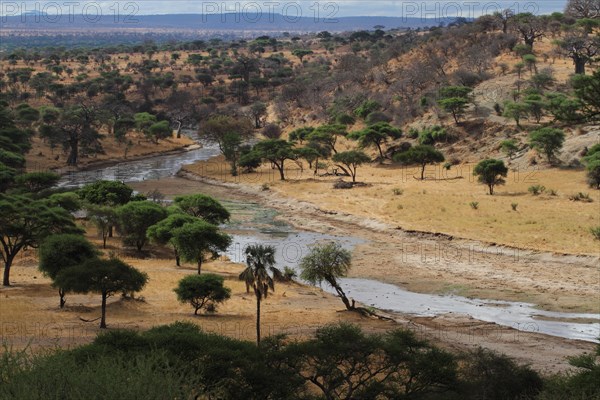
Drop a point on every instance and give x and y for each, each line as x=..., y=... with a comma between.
x=300, y=134
x=106, y=194
x=194, y=240
x=202, y=206
x=351, y=160
x=455, y=99
x=587, y=91
x=25, y=222
x=104, y=218
x=345, y=363
x=164, y=231
x=420, y=155
x=135, y=218
x=592, y=162
x=529, y=27
x=202, y=291
x=277, y=151
x=106, y=277
x=229, y=134
x=328, y=263
x=58, y=252
x=547, y=140
x=328, y=135
x=376, y=135
x=516, y=111
x=491, y=172
x=260, y=265
x=301, y=53
x=583, y=9
x=74, y=127
x=582, y=49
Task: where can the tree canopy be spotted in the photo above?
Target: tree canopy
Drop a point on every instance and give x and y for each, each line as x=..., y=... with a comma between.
x=420, y=155
x=135, y=218
x=202, y=206
x=106, y=277
x=491, y=172
x=25, y=222
x=328, y=263
x=202, y=291
x=58, y=252
x=194, y=240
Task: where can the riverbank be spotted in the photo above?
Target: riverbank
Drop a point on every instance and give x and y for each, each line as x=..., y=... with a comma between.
x=453, y=331
x=42, y=158
x=449, y=202
x=440, y=264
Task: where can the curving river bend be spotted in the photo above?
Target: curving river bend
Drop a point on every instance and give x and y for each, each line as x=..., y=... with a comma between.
x=292, y=244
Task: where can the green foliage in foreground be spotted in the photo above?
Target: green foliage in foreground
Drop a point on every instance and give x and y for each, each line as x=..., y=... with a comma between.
x=340, y=362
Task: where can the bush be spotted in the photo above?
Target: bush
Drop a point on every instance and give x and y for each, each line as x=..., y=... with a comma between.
x=397, y=191
x=377, y=116
x=536, y=189
x=202, y=291
x=474, y=205
x=366, y=108
x=289, y=274
x=514, y=206
x=345, y=119
x=583, y=197
x=433, y=135
x=413, y=133
x=595, y=232
x=492, y=376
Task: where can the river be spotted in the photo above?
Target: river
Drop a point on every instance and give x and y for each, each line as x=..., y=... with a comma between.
x=292, y=244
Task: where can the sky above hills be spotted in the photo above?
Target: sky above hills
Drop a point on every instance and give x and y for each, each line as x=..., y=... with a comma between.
x=296, y=8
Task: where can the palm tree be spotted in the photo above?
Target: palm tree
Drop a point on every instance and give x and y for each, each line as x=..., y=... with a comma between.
x=260, y=261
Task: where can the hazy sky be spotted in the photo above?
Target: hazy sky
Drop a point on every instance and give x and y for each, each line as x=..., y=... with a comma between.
x=307, y=8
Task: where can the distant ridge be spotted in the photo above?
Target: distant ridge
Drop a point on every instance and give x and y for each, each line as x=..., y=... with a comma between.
x=214, y=22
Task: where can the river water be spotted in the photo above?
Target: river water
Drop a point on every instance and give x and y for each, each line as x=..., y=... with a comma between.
x=292, y=244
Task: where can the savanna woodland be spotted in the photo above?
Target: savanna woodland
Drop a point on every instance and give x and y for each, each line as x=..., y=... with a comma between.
x=382, y=213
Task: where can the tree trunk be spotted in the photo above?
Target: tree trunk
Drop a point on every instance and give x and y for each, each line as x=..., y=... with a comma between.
x=579, y=65
x=177, y=258
x=200, y=265
x=380, y=152
x=7, y=265
x=61, y=293
x=74, y=153
x=343, y=296
x=491, y=189
x=455, y=117
x=103, y=317
x=178, y=130
x=110, y=231
x=281, y=171
x=104, y=240
x=257, y=321
x=423, y=171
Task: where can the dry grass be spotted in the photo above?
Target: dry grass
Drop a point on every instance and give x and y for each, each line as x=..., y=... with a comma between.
x=30, y=313
x=441, y=202
x=42, y=157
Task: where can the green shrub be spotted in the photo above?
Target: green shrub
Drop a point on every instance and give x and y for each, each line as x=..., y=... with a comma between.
x=474, y=205
x=433, y=135
x=536, y=189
